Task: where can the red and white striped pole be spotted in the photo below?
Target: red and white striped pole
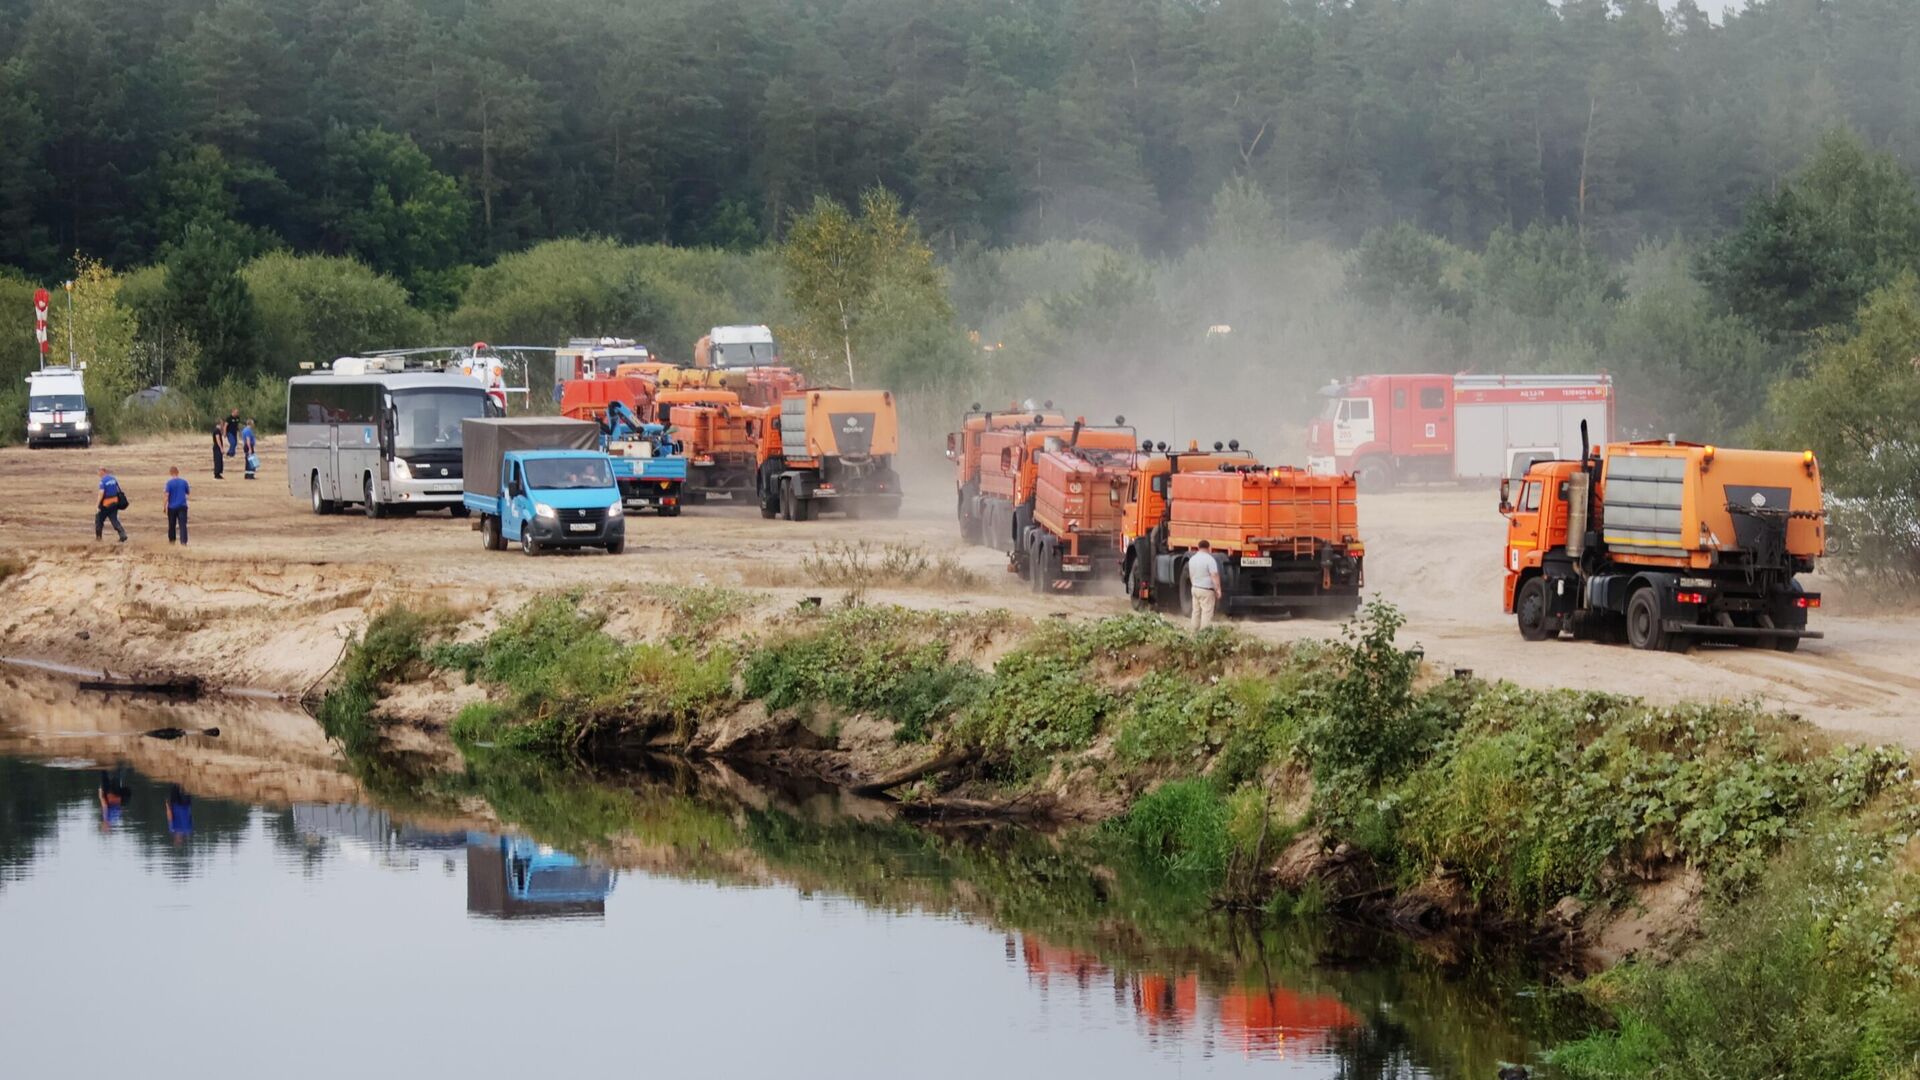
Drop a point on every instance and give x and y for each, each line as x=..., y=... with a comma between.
x=40, y=301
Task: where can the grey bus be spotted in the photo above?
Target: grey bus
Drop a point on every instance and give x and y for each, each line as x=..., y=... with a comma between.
x=373, y=433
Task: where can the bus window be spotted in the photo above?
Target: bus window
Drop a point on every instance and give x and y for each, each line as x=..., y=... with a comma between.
x=430, y=419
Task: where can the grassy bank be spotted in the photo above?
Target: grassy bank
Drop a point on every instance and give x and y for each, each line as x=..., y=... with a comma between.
x=1317, y=775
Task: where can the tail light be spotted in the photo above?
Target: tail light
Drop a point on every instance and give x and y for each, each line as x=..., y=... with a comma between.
x=1806, y=601
x=1690, y=598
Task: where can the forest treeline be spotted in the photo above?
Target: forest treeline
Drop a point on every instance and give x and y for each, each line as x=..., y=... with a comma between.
x=421, y=136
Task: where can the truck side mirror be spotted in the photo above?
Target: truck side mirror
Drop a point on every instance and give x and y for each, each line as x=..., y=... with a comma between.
x=1506, y=496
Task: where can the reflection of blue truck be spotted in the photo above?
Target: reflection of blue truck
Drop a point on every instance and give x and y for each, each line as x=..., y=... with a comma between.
x=647, y=465
x=543, y=482
x=510, y=877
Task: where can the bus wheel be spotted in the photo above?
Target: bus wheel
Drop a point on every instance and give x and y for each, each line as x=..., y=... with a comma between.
x=1530, y=610
x=320, y=505
x=374, y=509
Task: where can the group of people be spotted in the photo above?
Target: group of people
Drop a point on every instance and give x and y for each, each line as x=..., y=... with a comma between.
x=234, y=436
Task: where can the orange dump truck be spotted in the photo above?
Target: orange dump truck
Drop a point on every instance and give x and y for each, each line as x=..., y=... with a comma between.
x=1665, y=543
x=964, y=450
x=719, y=436
x=827, y=450
x=1287, y=540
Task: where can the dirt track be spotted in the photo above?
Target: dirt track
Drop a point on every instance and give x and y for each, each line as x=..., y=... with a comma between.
x=267, y=591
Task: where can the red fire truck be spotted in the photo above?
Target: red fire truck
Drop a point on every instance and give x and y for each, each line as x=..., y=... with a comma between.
x=1387, y=429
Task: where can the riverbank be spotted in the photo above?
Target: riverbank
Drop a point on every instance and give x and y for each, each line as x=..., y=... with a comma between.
x=1329, y=776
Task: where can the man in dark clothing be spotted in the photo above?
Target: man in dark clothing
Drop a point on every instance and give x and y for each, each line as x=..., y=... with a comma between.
x=219, y=459
x=176, y=505
x=233, y=432
x=107, y=509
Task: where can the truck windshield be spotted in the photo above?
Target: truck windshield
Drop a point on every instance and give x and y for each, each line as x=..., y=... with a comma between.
x=430, y=419
x=568, y=474
x=744, y=354
x=57, y=403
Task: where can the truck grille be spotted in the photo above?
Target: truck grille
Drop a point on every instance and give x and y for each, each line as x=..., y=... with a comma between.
x=595, y=514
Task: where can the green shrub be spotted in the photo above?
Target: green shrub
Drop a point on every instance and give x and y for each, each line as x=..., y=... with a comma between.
x=1180, y=828
x=874, y=659
x=1037, y=707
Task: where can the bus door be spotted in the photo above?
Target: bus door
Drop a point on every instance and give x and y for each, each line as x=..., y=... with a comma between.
x=333, y=460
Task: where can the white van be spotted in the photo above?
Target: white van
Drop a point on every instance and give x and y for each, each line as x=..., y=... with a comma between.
x=57, y=412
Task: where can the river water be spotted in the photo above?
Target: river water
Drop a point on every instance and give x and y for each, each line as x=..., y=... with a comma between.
x=154, y=930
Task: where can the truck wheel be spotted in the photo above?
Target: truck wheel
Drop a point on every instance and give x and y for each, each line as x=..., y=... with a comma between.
x=1374, y=474
x=1530, y=610
x=674, y=511
x=1787, y=644
x=804, y=509
x=1039, y=572
x=320, y=506
x=1185, y=590
x=457, y=510
x=528, y=545
x=769, y=501
x=1643, y=623
x=374, y=509
x=617, y=546
x=490, y=538
x=969, y=525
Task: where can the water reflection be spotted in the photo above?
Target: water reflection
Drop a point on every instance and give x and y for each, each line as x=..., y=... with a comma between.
x=508, y=877
x=1268, y=1020
x=1014, y=952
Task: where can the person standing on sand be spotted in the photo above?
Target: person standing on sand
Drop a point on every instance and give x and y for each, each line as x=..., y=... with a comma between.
x=1203, y=575
x=247, y=457
x=107, y=510
x=176, y=505
x=233, y=432
x=219, y=460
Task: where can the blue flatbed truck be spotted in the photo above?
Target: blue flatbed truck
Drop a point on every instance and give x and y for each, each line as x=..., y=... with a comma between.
x=542, y=482
x=650, y=472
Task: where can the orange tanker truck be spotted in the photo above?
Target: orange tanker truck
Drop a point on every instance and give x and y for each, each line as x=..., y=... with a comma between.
x=826, y=450
x=1287, y=540
x=1665, y=543
x=963, y=449
x=1079, y=517
x=719, y=436
x=1007, y=473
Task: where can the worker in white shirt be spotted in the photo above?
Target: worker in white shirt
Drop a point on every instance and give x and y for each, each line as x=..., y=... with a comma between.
x=1203, y=574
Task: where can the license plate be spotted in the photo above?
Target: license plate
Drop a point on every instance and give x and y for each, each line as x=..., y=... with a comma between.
x=56, y=434
x=443, y=491
x=1077, y=569
x=584, y=526
x=1256, y=560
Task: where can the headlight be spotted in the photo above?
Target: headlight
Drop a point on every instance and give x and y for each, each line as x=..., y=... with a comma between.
x=81, y=425
x=543, y=510
x=615, y=510
x=34, y=425
x=401, y=471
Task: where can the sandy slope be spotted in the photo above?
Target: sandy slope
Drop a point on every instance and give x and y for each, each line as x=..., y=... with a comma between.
x=267, y=592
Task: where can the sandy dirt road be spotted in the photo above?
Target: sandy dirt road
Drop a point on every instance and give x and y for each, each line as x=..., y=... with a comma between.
x=267, y=591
